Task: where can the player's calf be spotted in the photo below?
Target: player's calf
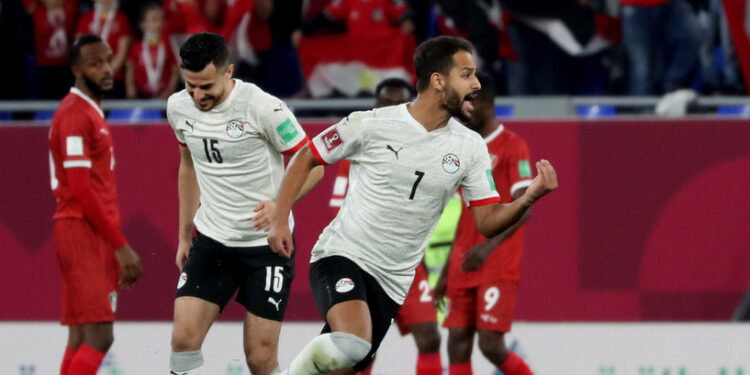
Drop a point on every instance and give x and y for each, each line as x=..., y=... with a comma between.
x=186, y=363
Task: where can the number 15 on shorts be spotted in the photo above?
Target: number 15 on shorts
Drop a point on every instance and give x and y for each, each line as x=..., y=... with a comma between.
x=274, y=278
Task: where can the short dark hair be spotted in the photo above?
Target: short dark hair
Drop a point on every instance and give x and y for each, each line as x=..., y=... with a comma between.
x=394, y=82
x=487, y=92
x=436, y=55
x=74, y=53
x=151, y=5
x=202, y=49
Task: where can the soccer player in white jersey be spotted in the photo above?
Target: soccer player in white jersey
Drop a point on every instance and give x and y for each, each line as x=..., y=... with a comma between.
x=232, y=136
x=407, y=162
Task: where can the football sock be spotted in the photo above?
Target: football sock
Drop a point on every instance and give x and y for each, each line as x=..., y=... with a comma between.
x=429, y=364
x=460, y=369
x=67, y=358
x=515, y=365
x=367, y=371
x=329, y=352
x=85, y=361
x=186, y=363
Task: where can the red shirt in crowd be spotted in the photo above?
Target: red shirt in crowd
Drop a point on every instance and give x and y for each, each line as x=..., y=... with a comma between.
x=367, y=17
x=152, y=66
x=53, y=31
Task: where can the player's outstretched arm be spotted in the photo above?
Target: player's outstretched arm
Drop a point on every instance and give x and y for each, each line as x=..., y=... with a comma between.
x=298, y=172
x=188, y=194
x=494, y=219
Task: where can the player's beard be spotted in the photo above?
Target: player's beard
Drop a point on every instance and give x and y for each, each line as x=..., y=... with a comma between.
x=94, y=87
x=454, y=103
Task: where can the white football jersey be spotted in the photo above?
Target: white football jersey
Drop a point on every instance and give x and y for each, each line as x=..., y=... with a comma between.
x=401, y=178
x=237, y=150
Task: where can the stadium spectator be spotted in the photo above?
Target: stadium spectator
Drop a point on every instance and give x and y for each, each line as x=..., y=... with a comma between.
x=717, y=78
x=481, y=278
x=110, y=24
x=151, y=70
x=378, y=43
x=54, y=23
x=417, y=315
x=228, y=178
x=369, y=252
x=661, y=40
x=93, y=254
x=559, y=44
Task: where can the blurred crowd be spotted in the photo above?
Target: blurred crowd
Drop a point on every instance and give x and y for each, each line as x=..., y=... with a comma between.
x=335, y=48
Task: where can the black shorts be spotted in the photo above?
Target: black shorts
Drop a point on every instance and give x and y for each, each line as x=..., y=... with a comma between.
x=336, y=279
x=214, y=272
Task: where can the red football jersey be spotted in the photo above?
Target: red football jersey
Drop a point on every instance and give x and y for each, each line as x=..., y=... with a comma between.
x=340, y=186
x=367, y=17
x=109, y=28
x=53, y=33
x=511, y=171
x=158, y=61
x=80, y=138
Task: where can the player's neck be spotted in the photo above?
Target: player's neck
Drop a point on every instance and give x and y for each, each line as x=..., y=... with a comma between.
x=489, y=127
x=228, y=91
x=428, y=113
x=81, y=86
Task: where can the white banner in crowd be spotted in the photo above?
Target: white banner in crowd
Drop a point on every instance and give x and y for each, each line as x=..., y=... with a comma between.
x=550, y=349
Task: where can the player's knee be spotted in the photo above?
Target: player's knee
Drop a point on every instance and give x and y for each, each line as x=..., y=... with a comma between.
x=492, y=346
x=339, y=350
x=460, y=344
x=98, y=336
x=185, y=339
x=428, y=341
x=260, y=356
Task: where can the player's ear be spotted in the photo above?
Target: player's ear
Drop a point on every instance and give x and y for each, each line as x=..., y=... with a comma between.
x=230, y=71
x=76, y=69
x=437, y=81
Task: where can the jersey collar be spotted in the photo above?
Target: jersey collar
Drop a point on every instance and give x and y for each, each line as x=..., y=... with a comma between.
x=494, y=134
x=85, y=97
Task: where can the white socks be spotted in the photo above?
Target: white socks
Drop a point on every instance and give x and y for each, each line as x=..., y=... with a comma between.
x=329, y=352
x=186, y=363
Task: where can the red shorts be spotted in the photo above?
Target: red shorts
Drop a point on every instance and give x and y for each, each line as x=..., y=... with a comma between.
x=488, y=306
x=417, y=307
x=90, y=272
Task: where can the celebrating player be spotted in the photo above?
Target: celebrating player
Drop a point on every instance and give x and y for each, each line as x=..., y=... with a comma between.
x=232, y=136
x=417, y=315
x=93, y=254
x=482, y=274
x=408, y=161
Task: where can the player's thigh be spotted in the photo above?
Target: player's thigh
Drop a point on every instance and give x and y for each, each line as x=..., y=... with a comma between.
x=265, y=282
x=261, y=336
x=496, y=304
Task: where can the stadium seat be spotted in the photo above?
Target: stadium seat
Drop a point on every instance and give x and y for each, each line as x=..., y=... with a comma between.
x=504, y=111
x=734, y=110
x=6, y=116
x=135, y=115
x=595, y=111
x=44, y=115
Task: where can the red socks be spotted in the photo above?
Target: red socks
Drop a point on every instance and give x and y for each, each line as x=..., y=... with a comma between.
x=461, y=369
x=67, y=358
x=429, y=364
x=366, y=371
x=86, y=361
x=515, y=365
